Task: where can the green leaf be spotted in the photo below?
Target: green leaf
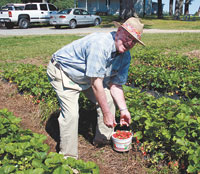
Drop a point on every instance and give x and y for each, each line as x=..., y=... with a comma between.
x=38, y=171
x=191, y=169
x=198, y=119
x=59, y=170
x=38, y=164
x=181, y=133
x=19, y=172
x=67, y=169
x=138, y=135
x=9, y=148
x=9, y=169
x=181, y=142
x=90, y=165
x=40, y=155
x=19, y=152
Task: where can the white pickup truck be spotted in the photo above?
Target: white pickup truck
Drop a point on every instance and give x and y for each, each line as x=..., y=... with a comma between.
x=10, y=15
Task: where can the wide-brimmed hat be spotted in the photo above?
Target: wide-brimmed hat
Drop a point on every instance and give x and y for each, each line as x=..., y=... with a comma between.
x=134, y=27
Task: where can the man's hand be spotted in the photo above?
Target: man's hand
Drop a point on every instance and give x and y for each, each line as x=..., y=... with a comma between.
x=109, y=120
x=125, y=118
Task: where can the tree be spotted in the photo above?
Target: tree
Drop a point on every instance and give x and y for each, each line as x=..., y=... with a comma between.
x=4, y=2
x=177, y=9
x=62, y=4
x=171, y=7
x=127, y=9
x=181, y=6
x=144, y=3
x=160, y=9
x=187, y=3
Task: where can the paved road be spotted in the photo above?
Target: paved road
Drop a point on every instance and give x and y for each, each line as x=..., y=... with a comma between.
x=51, y=30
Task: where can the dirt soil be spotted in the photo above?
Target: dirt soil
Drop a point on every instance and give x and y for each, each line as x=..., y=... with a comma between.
x=109, y=161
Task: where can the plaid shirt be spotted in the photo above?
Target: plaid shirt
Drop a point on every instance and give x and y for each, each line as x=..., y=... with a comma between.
x=94, y=56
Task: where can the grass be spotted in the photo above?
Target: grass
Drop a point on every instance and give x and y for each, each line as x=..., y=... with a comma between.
x=154, y=23
x=37, y=47
x=42, y=47
x=182, y=42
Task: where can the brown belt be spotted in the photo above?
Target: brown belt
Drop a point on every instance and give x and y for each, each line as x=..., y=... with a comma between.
x=57, y=65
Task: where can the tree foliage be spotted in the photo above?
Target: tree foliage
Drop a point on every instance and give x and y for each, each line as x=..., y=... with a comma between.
x=4, y=2
x=61, y=4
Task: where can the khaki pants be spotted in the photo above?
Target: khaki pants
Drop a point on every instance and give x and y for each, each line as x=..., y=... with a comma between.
x=68, y=94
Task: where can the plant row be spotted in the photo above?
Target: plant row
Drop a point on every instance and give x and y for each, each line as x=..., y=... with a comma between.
x=33, y=81
x=170, y=61
x=168, y=130
x=180, y=82
x=23, y=152
x=166, y=73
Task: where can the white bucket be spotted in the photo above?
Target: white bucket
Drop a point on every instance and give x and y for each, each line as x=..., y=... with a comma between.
x=122, y=145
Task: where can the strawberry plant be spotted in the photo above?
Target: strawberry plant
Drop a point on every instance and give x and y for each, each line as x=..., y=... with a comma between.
x=166, y=73
x=185, y=83
x=22, y=151
x=168, y=129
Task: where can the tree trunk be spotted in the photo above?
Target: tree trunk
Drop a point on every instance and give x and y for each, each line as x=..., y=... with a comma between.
x=186, y=11
x=171, y=7
x=160, y=9
x=127, y=9
x=144, y=13
x=181, y=7
x=177, y=7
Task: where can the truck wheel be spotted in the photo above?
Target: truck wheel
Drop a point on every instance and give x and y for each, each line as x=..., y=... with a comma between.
x=9, y=25
x=24, y=23
x=72, y=24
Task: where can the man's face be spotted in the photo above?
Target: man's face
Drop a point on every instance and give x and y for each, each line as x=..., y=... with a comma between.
x=124, y=40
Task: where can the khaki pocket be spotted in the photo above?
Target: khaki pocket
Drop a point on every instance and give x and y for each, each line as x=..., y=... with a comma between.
x=68, y=83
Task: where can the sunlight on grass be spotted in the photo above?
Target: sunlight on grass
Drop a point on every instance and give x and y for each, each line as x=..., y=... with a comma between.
x=15, y=48
x=42, y=47
x=170, y=24
x=154, y=23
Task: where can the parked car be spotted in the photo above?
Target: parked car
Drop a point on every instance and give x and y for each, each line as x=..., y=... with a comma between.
x=72, y=17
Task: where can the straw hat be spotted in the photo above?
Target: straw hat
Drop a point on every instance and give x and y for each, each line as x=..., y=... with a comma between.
x=134, y=27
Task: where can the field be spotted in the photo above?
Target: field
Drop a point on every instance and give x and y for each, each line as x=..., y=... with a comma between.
x=167, y=73
x=154, y=23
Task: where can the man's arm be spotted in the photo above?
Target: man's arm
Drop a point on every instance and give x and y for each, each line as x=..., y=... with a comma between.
x=97, y=86
x=118, y=95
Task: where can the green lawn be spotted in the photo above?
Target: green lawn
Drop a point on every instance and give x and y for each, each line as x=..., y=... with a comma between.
x=42, y=47
x=154, y=23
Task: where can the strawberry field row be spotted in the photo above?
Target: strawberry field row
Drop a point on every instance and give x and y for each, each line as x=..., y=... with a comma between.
x=182, y=82
x=165, y=73
x=23, y=152
x=168, y=60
